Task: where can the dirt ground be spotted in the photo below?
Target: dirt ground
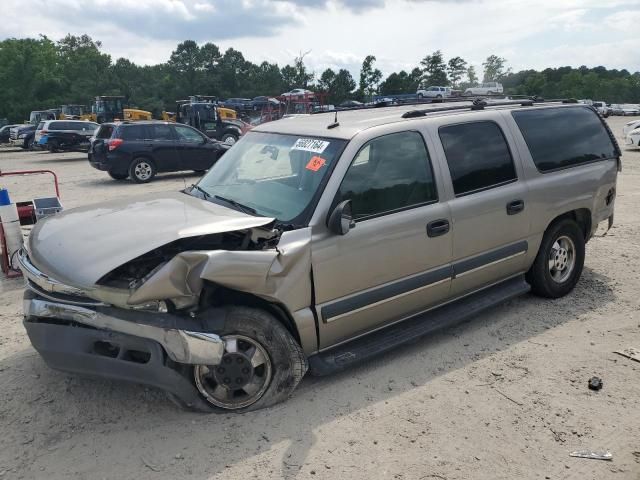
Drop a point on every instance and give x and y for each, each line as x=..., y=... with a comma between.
x=502, y=397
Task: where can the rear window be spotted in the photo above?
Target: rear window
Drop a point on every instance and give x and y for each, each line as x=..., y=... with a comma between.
x=564, y=137
x=39, y=127
x=105, y=131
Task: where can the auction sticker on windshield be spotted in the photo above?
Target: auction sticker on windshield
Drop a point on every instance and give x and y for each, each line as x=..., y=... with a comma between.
x=310, y=145
x=315, y=164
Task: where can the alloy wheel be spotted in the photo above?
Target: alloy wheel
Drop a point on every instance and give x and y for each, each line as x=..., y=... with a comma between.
x=562, y=259
x=240, y=379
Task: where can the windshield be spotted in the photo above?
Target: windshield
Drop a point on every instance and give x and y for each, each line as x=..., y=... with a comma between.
x=276, y=175
x=72, y=110
x=110, y=106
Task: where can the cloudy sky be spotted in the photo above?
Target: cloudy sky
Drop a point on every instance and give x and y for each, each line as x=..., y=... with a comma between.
x=340, y=33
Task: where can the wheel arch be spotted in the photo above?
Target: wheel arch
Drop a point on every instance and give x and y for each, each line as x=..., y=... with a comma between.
x=582, y=216
x=216, y=295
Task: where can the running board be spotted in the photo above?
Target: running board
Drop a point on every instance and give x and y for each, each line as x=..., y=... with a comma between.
x=363, y=348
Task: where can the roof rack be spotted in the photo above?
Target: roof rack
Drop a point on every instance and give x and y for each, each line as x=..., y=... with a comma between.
x=481, y=103
x=477, y=103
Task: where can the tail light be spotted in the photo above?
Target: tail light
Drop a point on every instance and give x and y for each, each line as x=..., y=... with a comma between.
x=114, y=143
x=43, y=132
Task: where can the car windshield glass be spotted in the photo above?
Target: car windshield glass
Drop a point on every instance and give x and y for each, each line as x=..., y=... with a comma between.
x=276, y=175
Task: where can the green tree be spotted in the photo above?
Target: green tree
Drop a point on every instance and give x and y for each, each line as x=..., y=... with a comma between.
x=494, y=68
x=369, y=77
x=456, y=68
x=434, y=70
x=186, y=60
x=337, y=86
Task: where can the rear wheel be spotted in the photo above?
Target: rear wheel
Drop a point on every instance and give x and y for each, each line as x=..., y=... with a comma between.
x=261, y=366
x=558, y=265
x=118, y=176
x=52, y=146
x=29, y=144
x=142, y=170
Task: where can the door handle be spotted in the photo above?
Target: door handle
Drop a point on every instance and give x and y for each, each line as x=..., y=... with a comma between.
x=515, y=206
x=437, y=227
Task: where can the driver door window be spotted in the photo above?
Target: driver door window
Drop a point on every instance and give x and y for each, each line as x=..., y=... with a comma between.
x=389, y=174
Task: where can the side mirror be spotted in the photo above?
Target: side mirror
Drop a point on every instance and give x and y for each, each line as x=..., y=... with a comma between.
x=341, y=219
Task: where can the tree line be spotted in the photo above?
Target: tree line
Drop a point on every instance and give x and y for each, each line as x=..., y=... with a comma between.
x=38, y=73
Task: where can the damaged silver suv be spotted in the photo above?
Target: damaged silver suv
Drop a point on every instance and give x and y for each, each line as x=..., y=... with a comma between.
x=317, y=242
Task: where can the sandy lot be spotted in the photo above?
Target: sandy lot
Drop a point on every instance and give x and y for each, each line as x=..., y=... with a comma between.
x=502, y=397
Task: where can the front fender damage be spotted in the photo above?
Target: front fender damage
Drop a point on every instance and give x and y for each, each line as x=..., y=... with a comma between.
x=278, y=274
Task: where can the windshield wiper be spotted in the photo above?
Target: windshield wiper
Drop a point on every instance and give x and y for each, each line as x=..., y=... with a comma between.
x=238, y=205
x=203, y=191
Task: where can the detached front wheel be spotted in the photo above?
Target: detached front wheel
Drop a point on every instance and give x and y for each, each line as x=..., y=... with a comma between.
x=558, y=265
x=261, y=366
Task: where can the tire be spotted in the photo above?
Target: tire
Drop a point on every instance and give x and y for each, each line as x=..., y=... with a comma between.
x=420, y=96
x=52, y=147
x=229, y=138
x=142, y=170
x=438, y=96
x=118, y=176
x=562, y=244
x=28, y=145
x=284, y=362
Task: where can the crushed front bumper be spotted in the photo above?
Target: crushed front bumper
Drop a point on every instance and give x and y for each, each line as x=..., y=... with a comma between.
x=73, y=335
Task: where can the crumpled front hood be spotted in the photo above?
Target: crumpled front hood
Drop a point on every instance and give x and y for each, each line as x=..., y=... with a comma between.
x=81, y=245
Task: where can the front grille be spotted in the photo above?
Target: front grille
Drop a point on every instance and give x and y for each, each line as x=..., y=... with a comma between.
x=64, y=298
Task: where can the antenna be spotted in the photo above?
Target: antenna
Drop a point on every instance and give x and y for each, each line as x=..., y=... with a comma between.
x=335, y=122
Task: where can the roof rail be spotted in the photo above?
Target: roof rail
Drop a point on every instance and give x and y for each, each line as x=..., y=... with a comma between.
x=481, y=103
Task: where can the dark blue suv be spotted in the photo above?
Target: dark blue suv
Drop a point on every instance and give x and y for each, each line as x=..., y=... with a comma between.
x=141, y=149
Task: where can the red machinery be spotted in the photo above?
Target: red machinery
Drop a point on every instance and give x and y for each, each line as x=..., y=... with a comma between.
x=29, y=212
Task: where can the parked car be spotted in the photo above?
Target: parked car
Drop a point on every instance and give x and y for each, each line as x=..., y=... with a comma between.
x=434, y=92
x=632, y=135
x=22, y=136
x=55, y=135
x=632, y=125
x=630, y=109
x=298, y=92
x=487, y=88
x=262, y=102
x=238, y=104
x=141, y=149
x=5, y=131
x=625, y=109
x=603, y=108
x=350, y=104
x=308, y=247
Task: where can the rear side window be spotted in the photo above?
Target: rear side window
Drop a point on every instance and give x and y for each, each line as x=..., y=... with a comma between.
x=564, y=137
x=162, y=132
x=134, y=132
x=58, y=126
x=478, y=156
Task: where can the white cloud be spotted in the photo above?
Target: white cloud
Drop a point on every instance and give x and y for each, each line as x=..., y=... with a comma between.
x=340, y=33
